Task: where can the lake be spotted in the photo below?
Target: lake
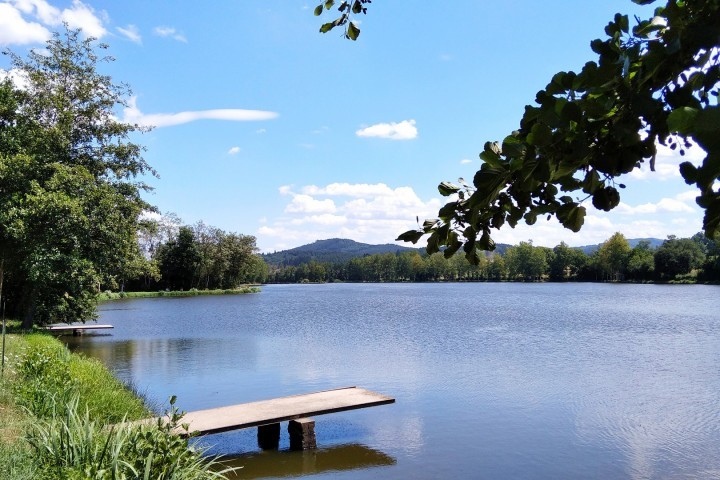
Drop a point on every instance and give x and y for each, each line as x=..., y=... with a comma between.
x=492, y=380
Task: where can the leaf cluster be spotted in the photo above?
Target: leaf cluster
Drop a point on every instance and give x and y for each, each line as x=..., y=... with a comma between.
x=654, y=83
x=347, y=9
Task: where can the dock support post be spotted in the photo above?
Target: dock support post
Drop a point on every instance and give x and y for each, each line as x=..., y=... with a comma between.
x=269, y=436
x=302, y=434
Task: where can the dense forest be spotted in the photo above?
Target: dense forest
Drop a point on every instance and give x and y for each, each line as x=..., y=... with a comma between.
x=686, y=260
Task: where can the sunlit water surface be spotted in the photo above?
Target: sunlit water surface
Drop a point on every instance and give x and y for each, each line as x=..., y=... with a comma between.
x=511, y=381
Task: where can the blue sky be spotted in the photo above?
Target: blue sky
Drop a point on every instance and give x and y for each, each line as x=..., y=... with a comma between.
x=266, y=127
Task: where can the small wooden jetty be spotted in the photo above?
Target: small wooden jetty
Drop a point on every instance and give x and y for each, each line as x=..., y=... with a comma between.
x=77, y=329
x=267, y=415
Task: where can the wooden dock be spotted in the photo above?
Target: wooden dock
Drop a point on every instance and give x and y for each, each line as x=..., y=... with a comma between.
x=267, y=415
x=77, y=329
x=266, y=412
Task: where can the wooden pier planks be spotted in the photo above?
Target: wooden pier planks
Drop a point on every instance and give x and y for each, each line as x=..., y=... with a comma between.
x=266, y=412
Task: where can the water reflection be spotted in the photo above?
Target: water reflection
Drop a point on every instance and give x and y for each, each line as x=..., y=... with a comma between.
x=491, y=380
x=309, y=462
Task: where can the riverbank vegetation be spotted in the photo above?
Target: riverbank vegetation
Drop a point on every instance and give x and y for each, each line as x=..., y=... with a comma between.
x=73, y=222
x=677, y=260
x=56, y=415
x=193, y=292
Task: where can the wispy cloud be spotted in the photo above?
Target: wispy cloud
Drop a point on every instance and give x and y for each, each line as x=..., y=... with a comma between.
x=169, y=32
x=131, y=32
x=24, y=22
x=132, y=114
x=234, y=151
x=404, y=130
x=465, y=161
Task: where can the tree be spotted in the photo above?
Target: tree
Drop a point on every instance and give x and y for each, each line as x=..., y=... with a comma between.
x=641, y=263
x=612, y=256
x=566, y=262
x=654, y=83
x=525, y=261
x=69, y=194
x=677, y=256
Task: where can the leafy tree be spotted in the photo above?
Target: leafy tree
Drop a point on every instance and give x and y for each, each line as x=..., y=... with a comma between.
x=656, y=82
x=612, y=256
x=69, y=199
x=677, y=256
x=525, y=261
x=641, y=263
x=566, y=262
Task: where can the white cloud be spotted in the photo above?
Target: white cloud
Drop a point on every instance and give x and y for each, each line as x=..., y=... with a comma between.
x=170, y=32
x=358, y=190
x=25, y=22
x=132, y=114
x=15, y=30
x=17, y=77
x=667, y=163
x=465, y=161
x=260, y=131
x=667, y=205
x=234, y=151
x=83, y=17
x=371, y=213
x=307, y=204
x=404, y=130
x=131, y=32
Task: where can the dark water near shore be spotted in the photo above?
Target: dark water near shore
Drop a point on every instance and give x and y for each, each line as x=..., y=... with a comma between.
x=525, y=381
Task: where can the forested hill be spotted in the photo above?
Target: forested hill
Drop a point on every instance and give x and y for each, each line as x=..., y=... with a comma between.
x=333, y=250
x=340, y=250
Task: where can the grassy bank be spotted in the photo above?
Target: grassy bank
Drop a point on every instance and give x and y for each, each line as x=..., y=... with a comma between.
x=177, y=293
x=56, y=412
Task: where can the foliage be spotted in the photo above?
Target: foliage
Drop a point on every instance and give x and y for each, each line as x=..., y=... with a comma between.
x=69, y=203
x=611, y=261
x=678, y=256
x=347, y=9
x=654, y=83
x=205, y=257
x=72, y=438
x=193, y=292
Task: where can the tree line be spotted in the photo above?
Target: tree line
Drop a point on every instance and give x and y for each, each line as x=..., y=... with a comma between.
x=200, y=256
x=695, y=259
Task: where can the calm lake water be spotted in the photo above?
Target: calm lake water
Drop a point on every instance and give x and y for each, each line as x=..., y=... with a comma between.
x=496, y=381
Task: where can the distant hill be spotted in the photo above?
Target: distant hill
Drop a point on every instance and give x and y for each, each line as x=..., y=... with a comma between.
x=335, y=250
x=340, y=250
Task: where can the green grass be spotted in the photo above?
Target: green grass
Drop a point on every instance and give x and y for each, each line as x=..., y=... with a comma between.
x=176, y=293
x=57, y=412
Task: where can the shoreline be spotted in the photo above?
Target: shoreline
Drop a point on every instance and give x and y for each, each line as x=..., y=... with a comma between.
x=106, y=296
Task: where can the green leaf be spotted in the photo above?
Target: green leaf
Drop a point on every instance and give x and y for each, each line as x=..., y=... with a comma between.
x=357, y=6
x=318, y=10
x=513, y=147
x=540, y=135
x=446, y=189
x=410, y=236
x=329, y=4
x=571, y=216
x=682, y=119
x=353, y=31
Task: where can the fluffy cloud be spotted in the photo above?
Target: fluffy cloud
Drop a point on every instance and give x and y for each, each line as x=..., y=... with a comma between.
x=377, y=213
x=404, y=130
x=307, y=204
x=667, y=163
x=131, y=32
x=16, y=30
x=234, y=151
x=25, y=22
x=371, y=213
x=170, y=32
x=132, y=114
